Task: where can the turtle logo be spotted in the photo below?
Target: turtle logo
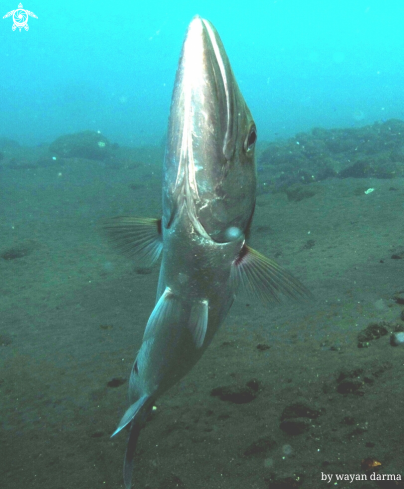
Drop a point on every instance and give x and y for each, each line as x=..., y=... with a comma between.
x=20, y=17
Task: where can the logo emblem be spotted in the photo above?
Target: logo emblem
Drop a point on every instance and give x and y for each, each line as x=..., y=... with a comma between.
x=20, y=17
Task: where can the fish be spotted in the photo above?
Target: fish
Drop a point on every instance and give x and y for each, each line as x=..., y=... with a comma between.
x=208, y=202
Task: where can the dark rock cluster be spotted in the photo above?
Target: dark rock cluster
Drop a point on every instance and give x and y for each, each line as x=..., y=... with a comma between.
x=371, y=151
x=87, y=144
x=238, y=394
x=296, y=418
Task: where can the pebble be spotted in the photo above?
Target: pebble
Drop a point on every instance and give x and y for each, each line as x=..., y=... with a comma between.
x=397, y=339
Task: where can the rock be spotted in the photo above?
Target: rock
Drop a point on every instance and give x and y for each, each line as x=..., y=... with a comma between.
x=298, y=192
x=373, y=331
x=293, y=420
x=20, y=250
x=348, y=386
x=116, y=382
x=294, y=427
x=350, y=382
x=355, y=381
x=360, y=169
x=371, y=151
x=260, y=446
x=237, y=394
x=299, y=410
x=377, y=167
x=397, y=339
x=87, y=144
x=399, y=297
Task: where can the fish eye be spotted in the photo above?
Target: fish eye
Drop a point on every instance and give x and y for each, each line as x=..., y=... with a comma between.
x=250, y=140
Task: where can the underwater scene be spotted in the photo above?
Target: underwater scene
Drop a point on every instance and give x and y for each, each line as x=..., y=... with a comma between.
x=201, y=245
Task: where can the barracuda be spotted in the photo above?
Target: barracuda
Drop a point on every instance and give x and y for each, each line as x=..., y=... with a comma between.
x=209, y=191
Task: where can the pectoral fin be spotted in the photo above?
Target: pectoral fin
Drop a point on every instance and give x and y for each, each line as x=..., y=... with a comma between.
x=166, y=314
x=198, y=322
x=264, y=278
x=135, y=237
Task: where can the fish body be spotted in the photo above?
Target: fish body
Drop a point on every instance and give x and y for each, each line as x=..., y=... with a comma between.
x=209, y=185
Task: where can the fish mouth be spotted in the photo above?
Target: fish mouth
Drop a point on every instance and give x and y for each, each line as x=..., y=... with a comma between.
x=208, y=82
x=203, y=126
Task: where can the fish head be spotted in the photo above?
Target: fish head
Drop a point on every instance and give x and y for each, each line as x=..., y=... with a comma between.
x=209, y=166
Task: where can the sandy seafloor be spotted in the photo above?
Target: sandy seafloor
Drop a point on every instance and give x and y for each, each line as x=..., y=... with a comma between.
x=73, y=311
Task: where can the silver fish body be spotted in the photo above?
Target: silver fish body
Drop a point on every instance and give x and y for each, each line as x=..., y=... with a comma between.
x=209, y=191
x=208, y=188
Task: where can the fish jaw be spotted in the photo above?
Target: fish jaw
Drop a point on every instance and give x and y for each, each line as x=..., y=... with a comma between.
x=209, y=161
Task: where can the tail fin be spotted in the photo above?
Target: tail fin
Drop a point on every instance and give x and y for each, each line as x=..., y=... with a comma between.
x=136, y=415
x=130, y=453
